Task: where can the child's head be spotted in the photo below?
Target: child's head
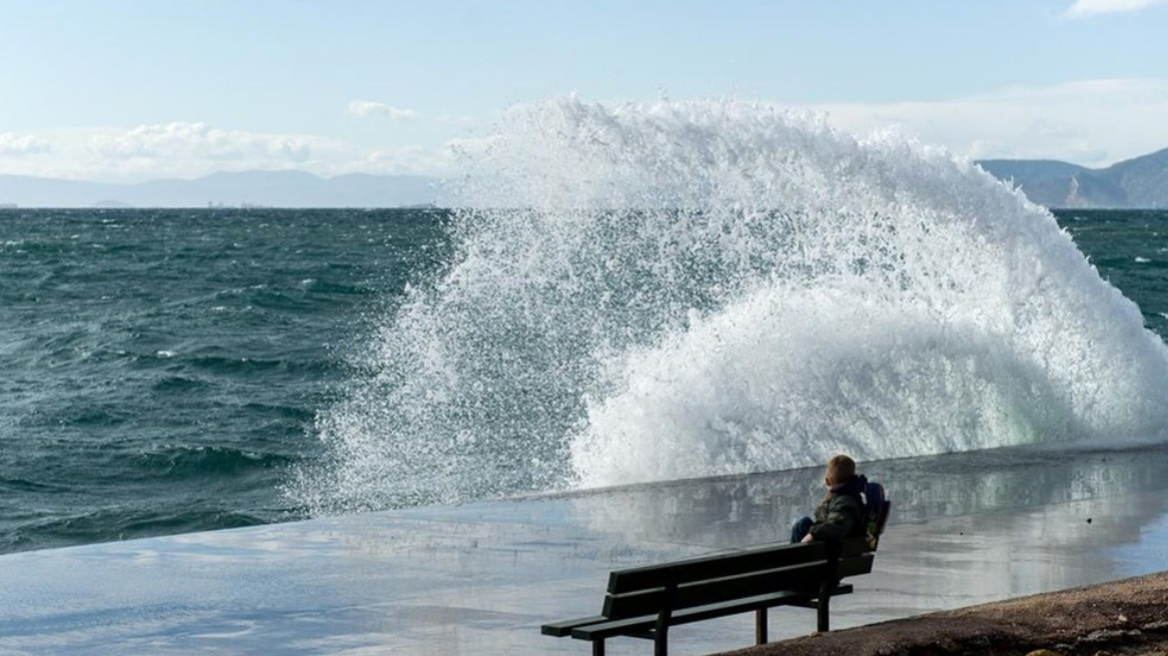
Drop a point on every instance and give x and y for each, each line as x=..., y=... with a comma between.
x=839, y=469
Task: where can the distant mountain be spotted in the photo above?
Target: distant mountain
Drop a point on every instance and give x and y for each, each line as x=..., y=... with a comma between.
x=1135, y=183
x=252, y=188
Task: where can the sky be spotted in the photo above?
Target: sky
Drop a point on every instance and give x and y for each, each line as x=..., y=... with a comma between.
x=129, y=90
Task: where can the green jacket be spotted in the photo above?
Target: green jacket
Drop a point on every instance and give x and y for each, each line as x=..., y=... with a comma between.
x=839, y=516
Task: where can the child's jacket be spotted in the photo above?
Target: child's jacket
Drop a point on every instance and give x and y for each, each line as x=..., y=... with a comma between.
x=841, y=515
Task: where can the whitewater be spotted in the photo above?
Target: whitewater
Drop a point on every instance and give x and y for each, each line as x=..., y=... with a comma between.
x=648, y=292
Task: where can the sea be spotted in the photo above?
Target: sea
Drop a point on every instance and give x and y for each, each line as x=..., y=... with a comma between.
x=619, y=295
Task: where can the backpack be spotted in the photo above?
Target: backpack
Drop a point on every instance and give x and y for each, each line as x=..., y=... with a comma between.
x=876, y=509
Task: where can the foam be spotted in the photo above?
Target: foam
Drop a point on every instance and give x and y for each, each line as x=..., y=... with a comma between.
x=651, y=292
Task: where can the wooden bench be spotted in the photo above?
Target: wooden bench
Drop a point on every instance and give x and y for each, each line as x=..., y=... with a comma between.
x=644, y=602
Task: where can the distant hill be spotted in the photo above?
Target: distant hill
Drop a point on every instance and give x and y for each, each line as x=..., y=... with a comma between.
x=1135, y=183
x=253, y=188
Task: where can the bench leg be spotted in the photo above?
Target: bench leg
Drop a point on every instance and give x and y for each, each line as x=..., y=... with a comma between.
x=661, y=631
x=821, y=609
x=661, y=643
x=760, y=626
x=598, y=647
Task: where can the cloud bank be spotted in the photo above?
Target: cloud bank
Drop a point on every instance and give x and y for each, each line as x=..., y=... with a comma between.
x=201, y=142
x=16, y=145
x=1089, y=122
x=194, y=149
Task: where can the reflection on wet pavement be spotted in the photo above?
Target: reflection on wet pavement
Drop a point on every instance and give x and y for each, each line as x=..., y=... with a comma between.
x=481, y=578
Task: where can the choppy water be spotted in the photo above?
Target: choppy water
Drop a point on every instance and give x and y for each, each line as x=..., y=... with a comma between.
x=162, y=368
x=692, y=290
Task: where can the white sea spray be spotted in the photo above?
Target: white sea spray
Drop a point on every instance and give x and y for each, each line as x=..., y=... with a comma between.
x=661, y=291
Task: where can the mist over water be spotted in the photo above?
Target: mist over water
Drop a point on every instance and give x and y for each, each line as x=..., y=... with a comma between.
x=653, y=292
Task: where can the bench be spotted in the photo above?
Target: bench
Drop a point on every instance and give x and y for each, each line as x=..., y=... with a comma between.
x=644, y=602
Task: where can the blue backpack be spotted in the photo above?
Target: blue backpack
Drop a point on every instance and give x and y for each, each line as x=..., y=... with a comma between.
x=876, y=509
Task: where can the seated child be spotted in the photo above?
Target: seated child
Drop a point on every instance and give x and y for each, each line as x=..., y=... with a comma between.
x=841, y=514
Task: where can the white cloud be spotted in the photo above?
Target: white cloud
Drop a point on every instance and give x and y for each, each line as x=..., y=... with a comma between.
x=198, y=141
x=404, y=160
x=1088, y=8
x=1090, y=122
x=189, y=150
x=15, y=145
x=369, y=108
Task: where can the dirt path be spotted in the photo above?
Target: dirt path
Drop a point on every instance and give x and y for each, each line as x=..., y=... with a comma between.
x=1124, y=618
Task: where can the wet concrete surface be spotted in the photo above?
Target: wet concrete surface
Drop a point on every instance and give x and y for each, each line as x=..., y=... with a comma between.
x=481, y=578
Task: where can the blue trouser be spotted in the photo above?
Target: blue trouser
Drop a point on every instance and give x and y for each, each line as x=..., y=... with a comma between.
x=800, y=529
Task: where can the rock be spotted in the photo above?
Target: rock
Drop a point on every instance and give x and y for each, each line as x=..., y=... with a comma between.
x=1043, y=652
x=1103, y=635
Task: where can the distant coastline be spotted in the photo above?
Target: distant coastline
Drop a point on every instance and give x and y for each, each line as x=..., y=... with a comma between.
x=1138, y=183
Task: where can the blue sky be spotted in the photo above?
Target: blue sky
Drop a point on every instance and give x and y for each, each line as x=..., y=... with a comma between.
x=134, y=89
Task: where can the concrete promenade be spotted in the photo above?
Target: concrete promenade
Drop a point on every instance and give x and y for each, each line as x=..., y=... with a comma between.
x=481, y=578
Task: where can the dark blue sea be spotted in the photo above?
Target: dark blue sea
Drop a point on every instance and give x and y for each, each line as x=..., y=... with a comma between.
x=162, y=369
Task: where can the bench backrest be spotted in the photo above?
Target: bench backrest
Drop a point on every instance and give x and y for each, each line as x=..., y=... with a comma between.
x=732, y=576
x=877, y=507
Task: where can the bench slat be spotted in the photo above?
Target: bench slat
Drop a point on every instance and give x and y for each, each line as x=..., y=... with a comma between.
x=801, y=577
x=612, y=628
x=564, y=627
x=726, y=564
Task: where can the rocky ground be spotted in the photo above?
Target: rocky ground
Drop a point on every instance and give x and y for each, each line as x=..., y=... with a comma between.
x=1124, y=618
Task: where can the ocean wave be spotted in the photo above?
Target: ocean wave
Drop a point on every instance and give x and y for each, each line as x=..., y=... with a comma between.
x=651, y=292
x=197, y=461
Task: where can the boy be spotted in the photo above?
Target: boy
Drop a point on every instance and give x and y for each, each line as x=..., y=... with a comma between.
x=841, y=514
